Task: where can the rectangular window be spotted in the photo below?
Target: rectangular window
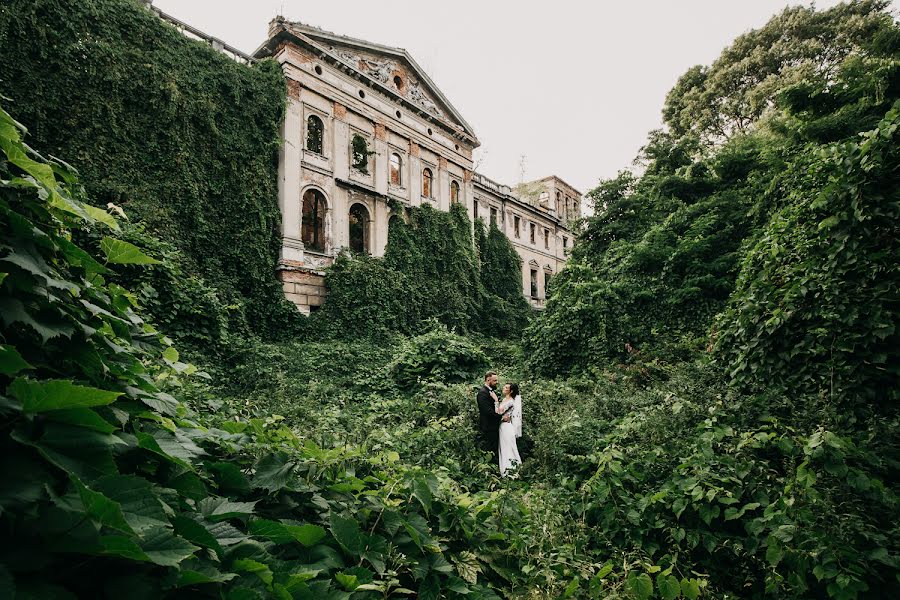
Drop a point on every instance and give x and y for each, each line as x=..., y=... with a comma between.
x=565, y=243
x=493, y=216
x=547, y=239
x=534, y=283
x=475, y=211
x=517, y=224
x=532, y=233
x=546, y=283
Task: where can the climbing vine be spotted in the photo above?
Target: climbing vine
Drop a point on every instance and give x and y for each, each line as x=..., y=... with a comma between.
x=179, y=135
x=431, y=271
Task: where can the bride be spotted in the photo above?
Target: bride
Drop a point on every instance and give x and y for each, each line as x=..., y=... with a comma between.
x=510, y=428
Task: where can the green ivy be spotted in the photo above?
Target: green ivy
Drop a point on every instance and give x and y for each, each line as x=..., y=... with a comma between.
x=815, y=305
x=431, y=271
x=179, y=135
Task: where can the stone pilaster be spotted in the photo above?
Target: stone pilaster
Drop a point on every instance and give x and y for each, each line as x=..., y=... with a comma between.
x=289, y=182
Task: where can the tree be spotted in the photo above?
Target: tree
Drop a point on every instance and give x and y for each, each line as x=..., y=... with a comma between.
x=729, y=97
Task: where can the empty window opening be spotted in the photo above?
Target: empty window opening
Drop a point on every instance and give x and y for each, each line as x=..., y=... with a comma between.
x=427, y=181
x=312, y=226
x=360, y=153
x=314, y=130
x=395, y=164
x=359, y=228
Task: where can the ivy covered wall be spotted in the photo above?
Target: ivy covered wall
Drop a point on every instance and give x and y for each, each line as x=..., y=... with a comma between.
x=179, y=135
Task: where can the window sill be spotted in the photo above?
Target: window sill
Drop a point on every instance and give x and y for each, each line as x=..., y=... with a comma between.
x=430, y=199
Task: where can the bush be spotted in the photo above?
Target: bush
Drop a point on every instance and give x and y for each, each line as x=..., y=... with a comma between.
x=437, y=356
x=815, y=308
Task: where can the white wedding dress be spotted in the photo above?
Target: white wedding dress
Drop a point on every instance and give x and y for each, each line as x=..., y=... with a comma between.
x=509, y=431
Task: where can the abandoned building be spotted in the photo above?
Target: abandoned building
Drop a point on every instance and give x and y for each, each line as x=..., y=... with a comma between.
x=365, y=125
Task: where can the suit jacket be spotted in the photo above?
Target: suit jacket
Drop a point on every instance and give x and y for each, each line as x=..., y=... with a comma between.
x=488, y=419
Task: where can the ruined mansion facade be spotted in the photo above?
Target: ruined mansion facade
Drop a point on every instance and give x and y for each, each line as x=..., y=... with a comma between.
x=367, y=130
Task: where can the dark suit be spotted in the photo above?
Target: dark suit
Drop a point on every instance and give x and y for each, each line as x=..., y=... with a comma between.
x=488, y=420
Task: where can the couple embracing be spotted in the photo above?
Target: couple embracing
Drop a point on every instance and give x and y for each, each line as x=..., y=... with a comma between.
x=500, y=421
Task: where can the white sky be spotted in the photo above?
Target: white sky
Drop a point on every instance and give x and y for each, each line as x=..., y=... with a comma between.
x=574, y=86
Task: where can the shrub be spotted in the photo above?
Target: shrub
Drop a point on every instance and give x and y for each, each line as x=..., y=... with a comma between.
x=437, y=356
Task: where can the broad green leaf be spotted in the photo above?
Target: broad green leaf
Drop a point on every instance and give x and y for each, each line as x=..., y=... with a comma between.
x=170, y=354
x=347, y=581
x=82, y=417
x=467, y=566
x=604, y=571
x=774, y=553
x=690, y=588
x=347, y=533
x=273, y=472
x=218, y=509
x=229, y=477
x=196, y=533
x=308, y=534
x=271, y=530
x=189, y=485
x=201, y=574
x=422, y=493
x=124, y=546
x=668, y=586
x=40, y=396
x=98, y=214
x=639, y=586
x=430, y=588
x=225, y=533
x=571, y=588
x=140, y=505
x=13, y=311
x=164, y=548
x=11, y=362
x=247, y=565
x=122, y=253
x=102, y=509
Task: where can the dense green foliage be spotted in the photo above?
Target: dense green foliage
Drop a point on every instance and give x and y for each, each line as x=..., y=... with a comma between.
x=437, y=356
x=815, y=308
x=112, y=487
x=431, y=271
x=660, y=258
x=182, y=137
x=763, y=230
x=727, y=98
x=710, y=395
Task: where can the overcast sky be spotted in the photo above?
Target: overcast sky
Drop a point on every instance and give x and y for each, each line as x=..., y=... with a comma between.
x=573, y=85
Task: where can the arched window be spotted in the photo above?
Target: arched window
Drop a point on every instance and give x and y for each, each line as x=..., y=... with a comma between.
x=454, y=192
x=314, y=129
x=359, y=228
x=396, y=179
x=312, y=228
x=427, y=180
x=360, y=153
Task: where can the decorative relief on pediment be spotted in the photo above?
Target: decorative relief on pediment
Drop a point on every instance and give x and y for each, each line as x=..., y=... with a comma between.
x=383, y=70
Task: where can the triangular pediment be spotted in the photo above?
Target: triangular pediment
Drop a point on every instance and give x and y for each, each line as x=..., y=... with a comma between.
x=393, y=68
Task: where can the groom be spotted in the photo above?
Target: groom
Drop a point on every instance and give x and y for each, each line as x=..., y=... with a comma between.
x=488, y=419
